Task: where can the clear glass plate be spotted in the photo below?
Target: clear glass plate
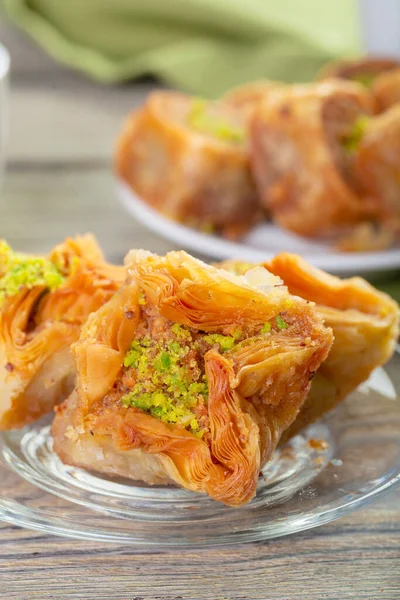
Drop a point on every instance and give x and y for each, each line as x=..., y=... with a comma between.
x=309, y=482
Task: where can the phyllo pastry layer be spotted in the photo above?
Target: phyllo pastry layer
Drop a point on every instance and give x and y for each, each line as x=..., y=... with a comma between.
x=364, y=70
x=302, y=143
x=365, y=325
x=377, y=167
x=190, y=375
x=386, y=89
x=44, y=300
x=381, y=76
x=188, y=158
x=248, y=96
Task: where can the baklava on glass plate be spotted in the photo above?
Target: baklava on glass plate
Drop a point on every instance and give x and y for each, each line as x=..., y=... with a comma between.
x=247, y=471
x=340, y=464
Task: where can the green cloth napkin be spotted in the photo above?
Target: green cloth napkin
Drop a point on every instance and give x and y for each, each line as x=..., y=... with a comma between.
x=203, y=46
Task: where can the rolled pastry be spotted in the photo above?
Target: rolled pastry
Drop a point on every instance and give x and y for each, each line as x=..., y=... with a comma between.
x=190, y=375
x=189, y=159
x=377, y=166
x=43, y=303
x=386, y=89
x=247, y=97
x=301, y=145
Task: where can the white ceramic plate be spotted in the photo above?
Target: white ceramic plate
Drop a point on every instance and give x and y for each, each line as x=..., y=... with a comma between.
x=262, y=243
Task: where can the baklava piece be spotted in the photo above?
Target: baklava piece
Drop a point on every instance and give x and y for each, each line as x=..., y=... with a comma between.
x=189, y=375
x=377, y=167
x=188, y=158
x=386, y=89
x=361, y=70
x=44, y=300
x=365, y=325
x=302, y=144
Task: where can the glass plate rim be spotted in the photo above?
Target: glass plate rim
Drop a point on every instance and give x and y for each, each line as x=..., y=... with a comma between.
x=15, y=513
x=33, y=522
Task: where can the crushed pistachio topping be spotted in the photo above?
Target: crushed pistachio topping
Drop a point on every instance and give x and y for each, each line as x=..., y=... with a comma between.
x=352, y=140
x=266, y=328
x=365, y=79
x=226, y=342
x=180, y=331
x=168, y=385
x=167, y=374
x=280, y=323
x=200, y=119
x=19, y=271
x=5, y=256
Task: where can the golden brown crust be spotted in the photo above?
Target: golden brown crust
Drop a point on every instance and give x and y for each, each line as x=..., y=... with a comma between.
x=299, y=161
x=386, y=89
x=361, y=69
x=37, y=329
x=255, y=389
x=99, y=454
x=380, y=75
x=365, y=324
x=187, y=175
x=247, y=97
x=377, y=167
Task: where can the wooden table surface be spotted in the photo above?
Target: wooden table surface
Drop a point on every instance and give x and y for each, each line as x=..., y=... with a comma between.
x=58, y=183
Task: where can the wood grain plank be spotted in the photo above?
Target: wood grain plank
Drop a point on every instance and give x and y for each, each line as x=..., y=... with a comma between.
x=41, y=207
x=66, y=123
x=57, y=114
x=352, y=558
x=355, y=557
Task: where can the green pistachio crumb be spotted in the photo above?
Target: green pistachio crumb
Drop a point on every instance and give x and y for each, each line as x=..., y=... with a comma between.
x=132, y=357
x=164, y=362
x=226, y=342
x=281, y=324
x=166, y=388
x=174, y=347
x=352, y=140
x=5, y=256
x=266, y=328
x=180, y=331
x=199, y=119
x=18, y=271
x=365, y=79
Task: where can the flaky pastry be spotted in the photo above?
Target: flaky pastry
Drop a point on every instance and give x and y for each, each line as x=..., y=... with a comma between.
x=43, y=303
x=190, y=375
